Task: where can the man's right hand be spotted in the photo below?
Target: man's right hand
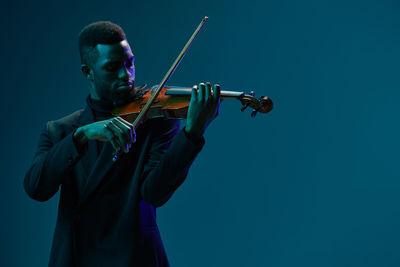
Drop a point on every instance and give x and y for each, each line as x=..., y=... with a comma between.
x=119, y=132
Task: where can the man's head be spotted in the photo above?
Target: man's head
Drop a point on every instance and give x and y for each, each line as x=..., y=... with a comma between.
x=107, y=60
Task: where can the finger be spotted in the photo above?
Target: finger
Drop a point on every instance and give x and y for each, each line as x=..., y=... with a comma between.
x=217, y=111
x=202, y=89
x=217, y=92
x=207, y=91
x=123, y=135
x=217, y=97
x=132, y=131
x=126, y=129
x=115, y=144
x=134, y=134
x=112, y=138
x=195, y=93
x=125, y=122
x=119, y=133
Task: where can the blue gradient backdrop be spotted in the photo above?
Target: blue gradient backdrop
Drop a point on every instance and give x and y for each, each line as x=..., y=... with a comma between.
x=313, y=183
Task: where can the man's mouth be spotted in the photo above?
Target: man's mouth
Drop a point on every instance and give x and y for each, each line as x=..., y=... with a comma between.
x=125, y=86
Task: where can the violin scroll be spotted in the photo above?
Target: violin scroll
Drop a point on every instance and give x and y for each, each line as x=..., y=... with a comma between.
x=264, y=104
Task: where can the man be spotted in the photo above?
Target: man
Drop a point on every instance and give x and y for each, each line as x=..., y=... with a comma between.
x=107, y=210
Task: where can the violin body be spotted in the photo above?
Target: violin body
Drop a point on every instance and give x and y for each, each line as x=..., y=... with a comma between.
x=168, y=106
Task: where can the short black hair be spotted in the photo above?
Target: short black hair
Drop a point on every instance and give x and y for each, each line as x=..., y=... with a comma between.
x=100, y=32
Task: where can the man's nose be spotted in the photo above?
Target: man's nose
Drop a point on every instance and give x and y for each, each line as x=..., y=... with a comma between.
x=124, y=73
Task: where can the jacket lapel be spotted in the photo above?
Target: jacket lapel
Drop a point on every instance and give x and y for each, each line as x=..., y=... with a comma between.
x=101, y=167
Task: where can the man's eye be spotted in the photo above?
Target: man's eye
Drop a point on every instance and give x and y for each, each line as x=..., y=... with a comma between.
x=111, y=68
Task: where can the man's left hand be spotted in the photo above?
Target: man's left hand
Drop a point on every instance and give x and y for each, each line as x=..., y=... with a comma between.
x=203, y=108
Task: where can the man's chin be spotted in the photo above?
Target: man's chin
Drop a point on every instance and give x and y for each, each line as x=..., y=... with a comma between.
x=123, y=95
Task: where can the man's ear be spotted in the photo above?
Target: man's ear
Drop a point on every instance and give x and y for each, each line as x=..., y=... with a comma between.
x=87, y=72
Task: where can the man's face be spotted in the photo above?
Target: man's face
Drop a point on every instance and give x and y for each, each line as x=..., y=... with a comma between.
x=113, y=71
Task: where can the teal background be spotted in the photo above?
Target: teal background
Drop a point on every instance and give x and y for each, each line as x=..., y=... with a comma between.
x=313, y=183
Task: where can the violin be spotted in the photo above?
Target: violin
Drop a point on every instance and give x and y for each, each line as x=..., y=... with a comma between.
x=173, y=102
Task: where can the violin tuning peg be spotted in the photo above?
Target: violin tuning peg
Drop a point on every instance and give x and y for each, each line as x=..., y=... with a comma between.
x=254, y=113
x=244, y=107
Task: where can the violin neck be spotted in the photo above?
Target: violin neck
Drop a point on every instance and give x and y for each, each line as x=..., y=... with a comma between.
x=176, y=90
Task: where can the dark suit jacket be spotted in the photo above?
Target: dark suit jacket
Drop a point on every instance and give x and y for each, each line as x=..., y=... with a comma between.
x=107, y=211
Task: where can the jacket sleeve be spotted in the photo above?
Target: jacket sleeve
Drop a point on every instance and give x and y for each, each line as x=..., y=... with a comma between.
x=51, y=165
x=171, y=154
